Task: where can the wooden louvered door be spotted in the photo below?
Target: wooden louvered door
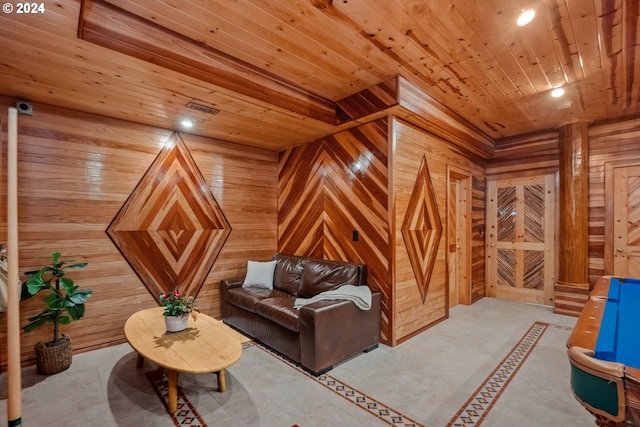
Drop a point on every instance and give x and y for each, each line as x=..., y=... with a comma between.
x=520, y=239
x=626, y=223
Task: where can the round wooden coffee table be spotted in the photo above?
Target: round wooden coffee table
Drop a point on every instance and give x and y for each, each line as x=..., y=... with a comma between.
x=206, y=346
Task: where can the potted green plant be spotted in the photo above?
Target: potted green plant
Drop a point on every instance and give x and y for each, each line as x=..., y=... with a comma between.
x=64, y=303
x=177, y=309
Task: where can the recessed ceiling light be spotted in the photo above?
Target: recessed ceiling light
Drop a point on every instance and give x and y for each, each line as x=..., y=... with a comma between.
x=557, y=92
x=187, y=123
x=564, y=104
x=525, y=17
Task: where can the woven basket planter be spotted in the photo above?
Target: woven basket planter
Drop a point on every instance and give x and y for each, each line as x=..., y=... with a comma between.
x=52, y=359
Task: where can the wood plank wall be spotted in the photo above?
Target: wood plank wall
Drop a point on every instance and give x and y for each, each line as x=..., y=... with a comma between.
x=411, y=315
x=610, y=144
x=524, y=155
x=331, y=187
x=341, y=183
x=75, y=172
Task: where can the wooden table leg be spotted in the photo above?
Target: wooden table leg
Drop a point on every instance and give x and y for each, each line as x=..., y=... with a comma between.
x=173, y=390
x=222, y=384
x=139, y=361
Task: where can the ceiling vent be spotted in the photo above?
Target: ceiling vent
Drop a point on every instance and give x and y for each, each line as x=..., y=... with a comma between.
x=202, y=108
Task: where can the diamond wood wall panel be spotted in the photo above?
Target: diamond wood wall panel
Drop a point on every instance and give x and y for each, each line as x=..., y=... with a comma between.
x=77, y=170
x=422, y=228
x=413, y=313
x=331, y=187
x=171, y=228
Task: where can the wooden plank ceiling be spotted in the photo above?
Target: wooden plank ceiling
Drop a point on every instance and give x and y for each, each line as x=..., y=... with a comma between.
x=274, y=69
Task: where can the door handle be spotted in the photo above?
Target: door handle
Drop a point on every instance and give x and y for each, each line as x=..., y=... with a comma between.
x=619, y=250
x=491, y=244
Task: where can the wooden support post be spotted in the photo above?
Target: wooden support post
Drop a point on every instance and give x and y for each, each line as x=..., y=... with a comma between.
x=14, y=372
x=572, y=285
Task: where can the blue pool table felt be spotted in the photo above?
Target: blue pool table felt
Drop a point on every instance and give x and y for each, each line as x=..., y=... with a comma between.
x=619, y=336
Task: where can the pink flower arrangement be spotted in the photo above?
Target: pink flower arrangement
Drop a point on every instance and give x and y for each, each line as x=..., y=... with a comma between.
x=176, y=305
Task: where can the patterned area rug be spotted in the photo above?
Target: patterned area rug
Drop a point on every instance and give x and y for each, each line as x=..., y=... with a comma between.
x=186, y=415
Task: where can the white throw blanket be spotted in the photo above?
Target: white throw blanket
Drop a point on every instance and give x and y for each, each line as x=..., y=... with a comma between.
x=359, y=295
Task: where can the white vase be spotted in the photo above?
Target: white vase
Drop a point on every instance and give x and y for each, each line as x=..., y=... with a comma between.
x=176, y=323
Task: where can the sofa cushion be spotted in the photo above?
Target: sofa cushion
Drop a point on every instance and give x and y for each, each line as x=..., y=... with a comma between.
x=319, y=276
x=280, y=311
x=248, y=297
x=259, y=274
x=288, y=273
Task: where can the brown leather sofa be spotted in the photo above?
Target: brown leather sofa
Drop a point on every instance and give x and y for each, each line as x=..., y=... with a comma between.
x=318, y=335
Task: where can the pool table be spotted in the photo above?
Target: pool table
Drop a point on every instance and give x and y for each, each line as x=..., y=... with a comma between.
x=610, y=326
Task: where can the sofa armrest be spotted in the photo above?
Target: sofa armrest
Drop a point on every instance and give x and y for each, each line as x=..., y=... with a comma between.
x=234, y=282
x=225, y=285
x=332, y=331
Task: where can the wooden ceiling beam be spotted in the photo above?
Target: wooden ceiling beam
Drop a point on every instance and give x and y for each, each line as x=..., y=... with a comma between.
x=420, y=109
x=121, y=31
x=398, y=96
